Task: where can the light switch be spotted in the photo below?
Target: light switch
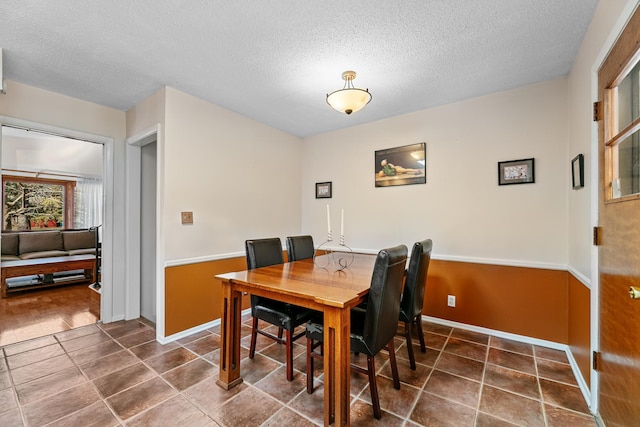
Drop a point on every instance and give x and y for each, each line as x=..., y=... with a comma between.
x=187, y=217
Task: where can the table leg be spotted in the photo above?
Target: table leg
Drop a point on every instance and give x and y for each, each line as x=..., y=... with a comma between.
x=337, y=366
x=230, y=337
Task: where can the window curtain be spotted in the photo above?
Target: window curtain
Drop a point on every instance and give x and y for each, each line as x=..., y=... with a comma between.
x=88, y=203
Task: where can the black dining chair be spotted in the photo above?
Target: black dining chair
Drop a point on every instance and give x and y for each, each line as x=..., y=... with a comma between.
x=263, y=253
x=300, y=247
x=371, y=330
x=413, y=294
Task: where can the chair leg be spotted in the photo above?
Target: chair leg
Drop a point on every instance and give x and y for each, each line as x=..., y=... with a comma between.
x=373, y=386
x=418, y=320
x=254, y=335
x=407, y=335
x=309, y=366
x=280, y=333
x=289, y=361
x=394, y=366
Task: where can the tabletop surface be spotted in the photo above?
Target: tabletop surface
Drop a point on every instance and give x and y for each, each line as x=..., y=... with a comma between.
x=307, y=279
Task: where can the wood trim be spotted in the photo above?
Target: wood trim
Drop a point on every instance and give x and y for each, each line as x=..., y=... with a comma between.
x=618, y=257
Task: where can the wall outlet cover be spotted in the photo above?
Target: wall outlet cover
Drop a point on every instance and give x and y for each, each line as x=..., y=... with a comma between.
x=451, y=300
x=187, y=217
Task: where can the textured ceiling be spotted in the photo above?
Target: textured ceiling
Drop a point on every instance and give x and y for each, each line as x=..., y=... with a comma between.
x=274, y=61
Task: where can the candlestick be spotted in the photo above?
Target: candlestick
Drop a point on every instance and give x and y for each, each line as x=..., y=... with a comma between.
x=328, y=221
x=342, y=224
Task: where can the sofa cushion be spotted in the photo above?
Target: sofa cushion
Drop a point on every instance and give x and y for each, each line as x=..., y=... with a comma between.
x=9, y=258
x=40, y=241
x=42, y=254
x=83, y=239
x=9, y=244
x=87, y=251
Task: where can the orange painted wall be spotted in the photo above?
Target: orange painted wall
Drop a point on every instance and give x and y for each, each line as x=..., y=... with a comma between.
x=192, y=294
x=580, y=326
x=524, y=301
x=543, y=304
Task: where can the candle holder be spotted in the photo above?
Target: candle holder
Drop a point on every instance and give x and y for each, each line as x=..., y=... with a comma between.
x=339, y=259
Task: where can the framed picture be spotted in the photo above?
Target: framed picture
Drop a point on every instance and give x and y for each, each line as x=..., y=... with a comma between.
x=401, y=165
x=577, y=172
x=323, y=190
x=516, y=172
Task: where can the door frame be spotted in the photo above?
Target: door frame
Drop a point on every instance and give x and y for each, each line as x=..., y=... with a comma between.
x=616, y=30
x=106, y=267
x=133, y=157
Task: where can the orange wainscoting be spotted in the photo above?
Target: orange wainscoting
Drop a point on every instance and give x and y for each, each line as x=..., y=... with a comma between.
x=193, y=295
x=546, y=304
x=580, y=326
x=524, y=301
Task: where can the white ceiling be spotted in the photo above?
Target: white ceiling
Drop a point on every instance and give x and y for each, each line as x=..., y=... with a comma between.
x=275, y=61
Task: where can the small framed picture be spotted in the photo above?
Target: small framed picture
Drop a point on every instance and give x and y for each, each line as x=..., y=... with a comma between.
x=577, y=172
x=516, y=172
x=323, y=190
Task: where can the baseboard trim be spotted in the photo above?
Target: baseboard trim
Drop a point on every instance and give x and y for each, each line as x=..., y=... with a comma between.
x=188, y=332
x=501, y=334
x=195, y=330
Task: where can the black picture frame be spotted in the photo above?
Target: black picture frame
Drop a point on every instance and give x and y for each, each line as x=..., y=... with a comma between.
x=520, y=171
x=323, y=190
x=577, y=172
x=403, y=165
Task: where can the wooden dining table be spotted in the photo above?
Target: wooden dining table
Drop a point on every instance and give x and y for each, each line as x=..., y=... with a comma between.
x=320, y=285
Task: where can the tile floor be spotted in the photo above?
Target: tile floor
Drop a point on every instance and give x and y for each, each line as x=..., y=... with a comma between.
x=117, y=374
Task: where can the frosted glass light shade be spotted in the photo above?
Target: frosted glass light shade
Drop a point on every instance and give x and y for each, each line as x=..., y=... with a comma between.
x=348, y=100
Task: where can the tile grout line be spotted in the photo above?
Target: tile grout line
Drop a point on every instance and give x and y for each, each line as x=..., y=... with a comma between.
x=435, y=362
x=535, y=362
x=484, y=373
x=23, y=417
x=59, y=343
x=102, y=399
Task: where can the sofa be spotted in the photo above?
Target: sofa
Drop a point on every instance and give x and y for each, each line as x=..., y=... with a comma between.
x=47, y=244
x=34, y=259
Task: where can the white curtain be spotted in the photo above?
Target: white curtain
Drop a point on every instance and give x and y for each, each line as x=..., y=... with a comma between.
x=88, y=203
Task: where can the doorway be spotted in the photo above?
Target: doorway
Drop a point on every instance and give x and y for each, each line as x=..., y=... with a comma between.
x=144, y=277
x=51, y=182
x=148, y=185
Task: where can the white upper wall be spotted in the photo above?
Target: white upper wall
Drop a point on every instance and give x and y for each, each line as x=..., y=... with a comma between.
x=461, y=207
x=239, y=177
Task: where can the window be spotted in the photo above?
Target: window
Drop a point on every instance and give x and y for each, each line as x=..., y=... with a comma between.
x=35, y=203
x=622, y=138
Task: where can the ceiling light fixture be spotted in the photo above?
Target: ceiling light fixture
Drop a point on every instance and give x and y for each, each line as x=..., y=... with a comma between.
x=348, y=99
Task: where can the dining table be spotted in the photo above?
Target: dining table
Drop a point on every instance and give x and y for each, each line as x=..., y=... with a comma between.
x=332, y=284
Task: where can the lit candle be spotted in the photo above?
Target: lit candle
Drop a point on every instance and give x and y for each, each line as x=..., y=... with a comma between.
x=328, y=220
x=342, y=224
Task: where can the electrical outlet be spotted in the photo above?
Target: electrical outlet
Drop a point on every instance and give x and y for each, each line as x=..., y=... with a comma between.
x=451, y=300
